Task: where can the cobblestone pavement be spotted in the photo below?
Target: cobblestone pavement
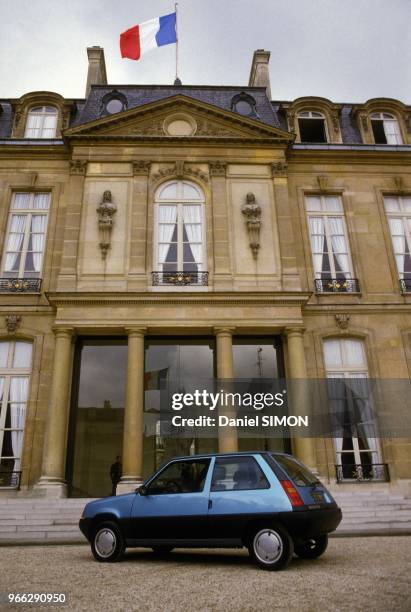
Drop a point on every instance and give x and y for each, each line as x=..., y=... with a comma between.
x=364, y=574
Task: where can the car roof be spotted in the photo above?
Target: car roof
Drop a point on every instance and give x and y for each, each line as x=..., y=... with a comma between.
x=233, y=454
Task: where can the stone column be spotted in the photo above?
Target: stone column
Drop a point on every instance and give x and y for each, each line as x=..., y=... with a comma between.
x=133, y=413
x=52, y=482
x=303, y=447
x=227, y=436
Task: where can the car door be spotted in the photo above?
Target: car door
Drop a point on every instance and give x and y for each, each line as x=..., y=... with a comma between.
x=239, y=491
x=174, y=505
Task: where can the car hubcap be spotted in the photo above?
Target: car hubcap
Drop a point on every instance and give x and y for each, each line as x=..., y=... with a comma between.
x=105, y=542
x=268, y=546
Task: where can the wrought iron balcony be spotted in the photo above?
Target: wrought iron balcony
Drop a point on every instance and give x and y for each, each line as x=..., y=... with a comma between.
x=374, y=472
x=10, y=479
x=337, y=285
x=180, y=279
x=405, y=285
x=20, y=285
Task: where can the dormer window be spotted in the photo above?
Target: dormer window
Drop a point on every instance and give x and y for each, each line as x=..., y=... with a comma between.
x=244, y=104
x=41, y=122
x=312, y=127
x=385, y=129
x=112, y=103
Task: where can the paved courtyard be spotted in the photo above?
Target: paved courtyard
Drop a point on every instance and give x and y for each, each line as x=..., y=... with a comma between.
x=355, y=574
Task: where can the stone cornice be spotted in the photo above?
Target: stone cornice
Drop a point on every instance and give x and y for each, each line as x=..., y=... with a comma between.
x=174, y=298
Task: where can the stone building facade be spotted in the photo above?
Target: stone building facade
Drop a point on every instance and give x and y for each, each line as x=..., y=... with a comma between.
x=199, y=229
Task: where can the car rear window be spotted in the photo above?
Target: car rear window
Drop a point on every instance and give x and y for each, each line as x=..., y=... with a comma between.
x=296, y=471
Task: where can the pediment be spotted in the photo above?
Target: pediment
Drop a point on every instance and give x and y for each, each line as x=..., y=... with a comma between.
x=178, y=117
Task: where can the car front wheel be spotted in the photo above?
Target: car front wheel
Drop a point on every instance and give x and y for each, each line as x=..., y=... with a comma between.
x=271, y=548
x=312, y=548
x=107, y=544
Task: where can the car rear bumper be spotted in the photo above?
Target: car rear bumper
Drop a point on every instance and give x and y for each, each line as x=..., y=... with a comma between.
x=311, y=523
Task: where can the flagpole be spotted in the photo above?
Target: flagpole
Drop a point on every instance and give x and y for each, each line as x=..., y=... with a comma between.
x=176, y=7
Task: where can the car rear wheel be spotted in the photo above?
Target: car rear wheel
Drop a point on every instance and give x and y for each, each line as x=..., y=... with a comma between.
x=107, y=544
x=312, y=548
x=162, y=550
x=271, y=547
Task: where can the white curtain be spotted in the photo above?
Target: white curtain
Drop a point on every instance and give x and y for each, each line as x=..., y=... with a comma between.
x=33, y=125
x=41, y=201
x=4, y=351
x=339, y=244
x=317, y=242
x=167, y=218
x=38, y=228
x=398, y=242
x=15, y=242
x=392, y=131
x=18, y=399
x=192, y=224
x=22, y=355
x=49, y=126
x=21, y=200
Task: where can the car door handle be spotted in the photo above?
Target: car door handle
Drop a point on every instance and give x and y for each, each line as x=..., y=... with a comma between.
x=210, y=504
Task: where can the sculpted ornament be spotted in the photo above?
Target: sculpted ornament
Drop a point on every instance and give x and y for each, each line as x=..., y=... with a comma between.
x=105, y=212
x=12, y=323
x=252, y=214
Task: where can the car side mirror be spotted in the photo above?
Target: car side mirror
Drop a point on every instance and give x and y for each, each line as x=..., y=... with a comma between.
x=142, y=490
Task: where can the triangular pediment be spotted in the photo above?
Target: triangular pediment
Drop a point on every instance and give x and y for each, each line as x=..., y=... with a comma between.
x=175, y=118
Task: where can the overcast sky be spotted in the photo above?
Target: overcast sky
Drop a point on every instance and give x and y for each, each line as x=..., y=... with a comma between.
x=345, y=50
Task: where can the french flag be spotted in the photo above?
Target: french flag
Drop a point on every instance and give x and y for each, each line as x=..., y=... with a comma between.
x=148, y=35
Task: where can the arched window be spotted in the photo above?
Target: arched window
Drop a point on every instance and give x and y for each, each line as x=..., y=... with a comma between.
x=41, y=122
x=356, y=443
x=312, y=127
x=385, y=129
x=179, y=246
x=15, y=369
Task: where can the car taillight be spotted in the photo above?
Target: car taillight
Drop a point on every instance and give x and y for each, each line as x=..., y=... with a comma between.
x=292, y=493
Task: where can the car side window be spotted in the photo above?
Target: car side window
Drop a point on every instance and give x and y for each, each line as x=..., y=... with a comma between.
x=238, y=474
x=186, y=476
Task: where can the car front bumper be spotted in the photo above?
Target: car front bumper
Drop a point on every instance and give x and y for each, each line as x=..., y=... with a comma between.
x=84, y=526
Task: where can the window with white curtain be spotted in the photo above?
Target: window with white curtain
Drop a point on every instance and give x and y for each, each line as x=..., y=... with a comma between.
x=15, y=369
x=41, y=122
x=26, y=235
x=179, y=228
x=357, y=450
x=328, y=235
x=385, y=129
x=398, y=210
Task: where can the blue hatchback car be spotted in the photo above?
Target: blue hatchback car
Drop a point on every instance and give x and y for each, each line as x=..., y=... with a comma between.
x=268, y=502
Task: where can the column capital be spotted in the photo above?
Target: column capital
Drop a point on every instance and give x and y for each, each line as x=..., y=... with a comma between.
x=223, y=331
x=63, y=330
x=294, y=331
x=136, y=331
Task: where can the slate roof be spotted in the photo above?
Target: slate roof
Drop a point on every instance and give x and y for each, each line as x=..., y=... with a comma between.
x=138, y=95
x=269, y=112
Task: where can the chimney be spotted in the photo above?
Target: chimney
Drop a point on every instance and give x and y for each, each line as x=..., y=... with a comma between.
x=259, y=75
x=96, y=74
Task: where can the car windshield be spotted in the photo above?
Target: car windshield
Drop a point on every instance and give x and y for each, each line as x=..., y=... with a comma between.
x=295, y=470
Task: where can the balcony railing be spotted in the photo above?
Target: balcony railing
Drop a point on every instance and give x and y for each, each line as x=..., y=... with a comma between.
x=337, y=285
x=10, y=479
x=405, y=284
x=20, y=285
x=374, y=472
x=179, y=279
